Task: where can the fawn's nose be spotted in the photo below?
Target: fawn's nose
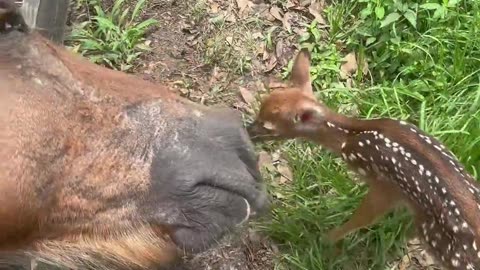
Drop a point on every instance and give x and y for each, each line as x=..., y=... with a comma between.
x=258, y=132
x=255, y=131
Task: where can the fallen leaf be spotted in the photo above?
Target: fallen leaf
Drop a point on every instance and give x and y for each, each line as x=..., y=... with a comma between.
x=425, y=259
x=216, y=76
x=305, y=3
x=279, y=48
x=404, y=263
x=349, y=66
x=290, y=4
x=261, y=49
x=365, y=67
x=230, y=17
x=272, y=63
x=276, y=157
x=244, y=7
x=315, y=9
x=214, y=7
x=265, y=161
x=246, y=95
x=349, y=83
x=276, y=12
x=286, y=21
x=229, y=40
x=257, y=35
x=285, y=172
x=339, y=45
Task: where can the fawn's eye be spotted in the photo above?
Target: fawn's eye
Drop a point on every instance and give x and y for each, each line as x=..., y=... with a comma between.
x=303, y=117
x=306, y=116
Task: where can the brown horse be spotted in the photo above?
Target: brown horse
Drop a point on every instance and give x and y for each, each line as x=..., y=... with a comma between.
x=103, y=170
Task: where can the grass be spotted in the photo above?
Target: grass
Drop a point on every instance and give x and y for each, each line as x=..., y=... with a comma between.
x=113, y=38
x=424, y=62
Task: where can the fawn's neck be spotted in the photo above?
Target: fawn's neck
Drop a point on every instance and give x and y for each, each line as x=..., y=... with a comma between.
x=335, y=130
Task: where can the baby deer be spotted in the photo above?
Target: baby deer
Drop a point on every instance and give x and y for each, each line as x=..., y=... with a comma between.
x=400, y=163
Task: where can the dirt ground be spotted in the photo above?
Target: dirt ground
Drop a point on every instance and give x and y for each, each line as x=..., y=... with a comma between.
x=223, y=52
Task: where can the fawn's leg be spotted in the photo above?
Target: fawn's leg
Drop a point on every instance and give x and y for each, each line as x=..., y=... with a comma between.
x=380, y=199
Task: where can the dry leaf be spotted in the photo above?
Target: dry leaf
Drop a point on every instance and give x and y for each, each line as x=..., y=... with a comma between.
x=404, y=263
x=349, y=67
x=272, y=63
x=315, y=9
x=276, y=12
x=425, y=259
x=261, y=49
x=290, y=4
x=230, y=17
x=365, y=67
x=265, y=161
x=286, y=174
x=229, y=40
x=276, y=156
x=349, y=83
x=214, y=7
x=247, y=96
x=257, y=35
x=244, y=6
x=286, y=21
x=265, y=55
x=279, y=48
x=305, y=3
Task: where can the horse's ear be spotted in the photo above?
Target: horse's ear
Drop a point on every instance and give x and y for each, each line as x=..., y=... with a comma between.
x=301, y=71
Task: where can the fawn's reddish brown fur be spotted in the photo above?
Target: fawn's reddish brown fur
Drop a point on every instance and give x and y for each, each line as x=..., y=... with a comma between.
x=400, y=163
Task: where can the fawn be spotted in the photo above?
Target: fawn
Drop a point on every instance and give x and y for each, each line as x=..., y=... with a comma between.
x=400, y=163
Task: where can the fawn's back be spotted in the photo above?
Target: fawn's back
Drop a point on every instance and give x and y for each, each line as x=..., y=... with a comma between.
x=443, y=196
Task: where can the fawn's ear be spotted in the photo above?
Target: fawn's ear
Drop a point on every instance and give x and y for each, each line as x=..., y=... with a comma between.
x=301, y=71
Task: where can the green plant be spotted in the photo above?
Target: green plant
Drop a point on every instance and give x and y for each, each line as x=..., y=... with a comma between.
x=113, y=38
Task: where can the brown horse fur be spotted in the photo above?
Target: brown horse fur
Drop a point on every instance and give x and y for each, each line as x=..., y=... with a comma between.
x=102, y=170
